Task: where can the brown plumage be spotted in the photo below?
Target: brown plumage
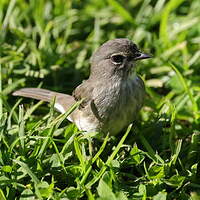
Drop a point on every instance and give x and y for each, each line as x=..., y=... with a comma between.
x=112, y=96
x=65, y=100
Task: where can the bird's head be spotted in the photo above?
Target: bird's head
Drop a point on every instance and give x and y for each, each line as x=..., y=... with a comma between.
x=116, y=57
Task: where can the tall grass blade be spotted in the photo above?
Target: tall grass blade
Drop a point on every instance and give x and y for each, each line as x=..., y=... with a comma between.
x=187, y=90
x=28, y=171
x=164, y=32
x=111, y=157
x=121, y=10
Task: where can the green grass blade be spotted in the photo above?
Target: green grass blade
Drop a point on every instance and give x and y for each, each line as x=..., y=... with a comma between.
x=151, y=153
x=8, y=13
x=170, y=6
x=176, y=154
x=187, y=90
x=121, y=10
x=101, y=149
x=28, y=171
x=111, y=157
x=21, y=126
x=79, y=154
x=61, y=117
x=32, y=109
x=13, y=114
x=1, y=101
x=94, y=159
x=59, y=155
x=45, y=142
x=2, y=196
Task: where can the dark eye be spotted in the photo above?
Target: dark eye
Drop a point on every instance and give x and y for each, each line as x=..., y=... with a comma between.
x=117, y=59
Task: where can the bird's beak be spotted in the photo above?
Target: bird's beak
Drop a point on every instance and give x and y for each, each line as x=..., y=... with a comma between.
x=142, y=56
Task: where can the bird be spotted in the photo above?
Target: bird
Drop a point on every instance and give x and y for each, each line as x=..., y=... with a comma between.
x=111, y=97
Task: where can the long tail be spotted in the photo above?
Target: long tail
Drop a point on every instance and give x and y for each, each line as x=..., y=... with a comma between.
x=36, y=93
x=63, y=101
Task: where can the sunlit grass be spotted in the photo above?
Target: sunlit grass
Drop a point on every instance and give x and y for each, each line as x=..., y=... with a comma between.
x=48, y=44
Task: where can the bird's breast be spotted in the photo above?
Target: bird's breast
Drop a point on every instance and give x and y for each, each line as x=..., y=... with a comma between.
x=113, y=107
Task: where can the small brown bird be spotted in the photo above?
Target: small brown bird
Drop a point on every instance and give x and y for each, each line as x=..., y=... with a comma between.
x=113, y=94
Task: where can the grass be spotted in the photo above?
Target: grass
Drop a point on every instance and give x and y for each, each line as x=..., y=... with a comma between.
x=48, y=44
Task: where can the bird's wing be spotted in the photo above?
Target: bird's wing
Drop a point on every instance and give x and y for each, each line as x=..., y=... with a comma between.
x=83, y=92
x=62, y=101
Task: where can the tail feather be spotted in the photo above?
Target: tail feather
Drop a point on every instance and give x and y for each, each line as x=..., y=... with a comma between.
x=36, y=93
x=63, y=101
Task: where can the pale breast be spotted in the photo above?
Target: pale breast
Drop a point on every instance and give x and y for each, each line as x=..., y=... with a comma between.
x=113, y=108
x=125, y=110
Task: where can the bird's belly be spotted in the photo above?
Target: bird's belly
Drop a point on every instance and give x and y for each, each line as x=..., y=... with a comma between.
x=112, y=126
x=87, y=123
x=113, y=121
x=120, y=117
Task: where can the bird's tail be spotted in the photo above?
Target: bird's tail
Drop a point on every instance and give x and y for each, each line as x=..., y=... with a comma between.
x=36, y=93
x=62, y=101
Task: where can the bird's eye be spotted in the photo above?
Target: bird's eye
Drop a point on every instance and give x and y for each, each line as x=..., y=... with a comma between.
x=117, y=59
